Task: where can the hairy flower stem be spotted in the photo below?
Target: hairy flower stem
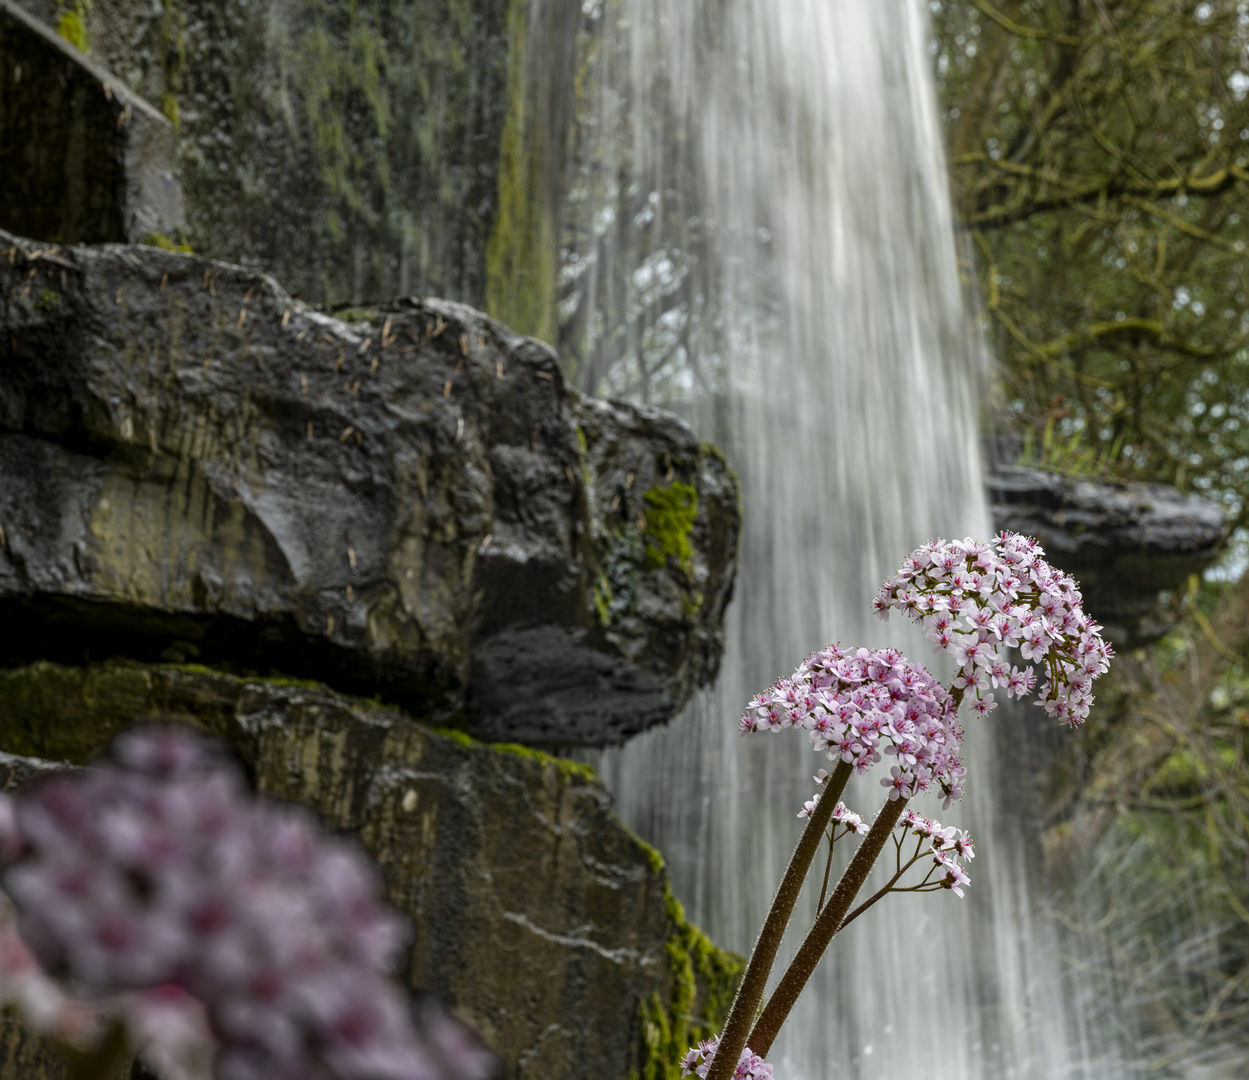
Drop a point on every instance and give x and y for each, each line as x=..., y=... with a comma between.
x=755, y=978
x=827, y=923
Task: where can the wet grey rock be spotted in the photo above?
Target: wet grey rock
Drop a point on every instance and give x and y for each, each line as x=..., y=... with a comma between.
x=1124, y=542
x=84, y=160
x=404, y=501
x=353, y=149
x=544, y=922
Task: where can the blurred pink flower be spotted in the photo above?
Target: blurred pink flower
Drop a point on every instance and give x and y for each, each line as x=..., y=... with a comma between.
x=160, y=886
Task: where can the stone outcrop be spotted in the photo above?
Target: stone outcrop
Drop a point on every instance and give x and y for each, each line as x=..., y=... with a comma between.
x=404, y=501
x=539, y=918
x=1124, y=542
x=84, y=160
x=352, y=149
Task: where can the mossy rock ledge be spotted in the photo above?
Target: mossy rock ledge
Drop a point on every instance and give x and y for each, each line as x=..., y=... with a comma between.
x=404, y=501
x=540, y=918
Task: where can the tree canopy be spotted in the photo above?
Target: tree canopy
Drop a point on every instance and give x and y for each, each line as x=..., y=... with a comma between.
x=1099, y=159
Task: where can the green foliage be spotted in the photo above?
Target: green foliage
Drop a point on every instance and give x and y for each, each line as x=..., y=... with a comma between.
x=1100, y=163
x=670, y=516
x=1153, y=827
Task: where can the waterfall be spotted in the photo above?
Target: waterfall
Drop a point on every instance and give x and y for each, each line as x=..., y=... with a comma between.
x=757, y=232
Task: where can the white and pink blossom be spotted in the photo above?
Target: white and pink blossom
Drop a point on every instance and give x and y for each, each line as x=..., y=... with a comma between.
x=858, y=705
x=1005, y=594
x=697, y=1062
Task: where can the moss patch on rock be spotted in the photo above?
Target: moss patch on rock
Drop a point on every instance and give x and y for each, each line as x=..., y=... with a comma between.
x=704, y=979
x=74, y=30
x=670, y=516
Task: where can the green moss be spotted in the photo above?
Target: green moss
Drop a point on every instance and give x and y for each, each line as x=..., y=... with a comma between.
x=49, y=300
x=456, y=735
x=653, y=855
x=703, y=979
x=68, y=714
x=670, y=516
x=167, y=243
x=521, y=253
x=169, y=106
x=334, y=64
x=172, y=38
x=586, y=476
x=712, y=451
x=74, y=30
x=355, y=315
x=603, y=599
x=568, y=770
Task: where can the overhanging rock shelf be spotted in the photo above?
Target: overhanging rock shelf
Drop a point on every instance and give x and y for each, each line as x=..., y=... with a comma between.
x=404, y=501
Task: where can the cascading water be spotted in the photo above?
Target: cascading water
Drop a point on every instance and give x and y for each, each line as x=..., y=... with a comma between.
x=758, y=233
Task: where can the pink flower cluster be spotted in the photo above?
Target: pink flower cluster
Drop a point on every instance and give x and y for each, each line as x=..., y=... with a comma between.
x=697, y=1061
x=159, y=869
x=949, y=847
x=973, y=599
x=854, y=703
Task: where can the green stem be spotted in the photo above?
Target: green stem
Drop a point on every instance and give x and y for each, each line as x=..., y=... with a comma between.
x=827, y=923
x=754, y=980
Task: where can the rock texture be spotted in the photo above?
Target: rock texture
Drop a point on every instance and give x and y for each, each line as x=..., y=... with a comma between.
x=84, y=160
x=356, y=148
x=405, y=502
x=1124, y=543
x=539, y=917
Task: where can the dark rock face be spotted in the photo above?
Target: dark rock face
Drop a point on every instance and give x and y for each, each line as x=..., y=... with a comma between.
x=1124, y=543
x=539, y=918
x=84, y=160
x=405, y=501
x=350, y=147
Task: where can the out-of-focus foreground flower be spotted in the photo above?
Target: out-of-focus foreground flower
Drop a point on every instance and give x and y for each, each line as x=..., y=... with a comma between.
x=158, y=891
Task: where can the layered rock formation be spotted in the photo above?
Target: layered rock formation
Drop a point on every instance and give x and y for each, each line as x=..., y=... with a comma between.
x=1124, y=542
x=539, y=918
x=404, y=501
